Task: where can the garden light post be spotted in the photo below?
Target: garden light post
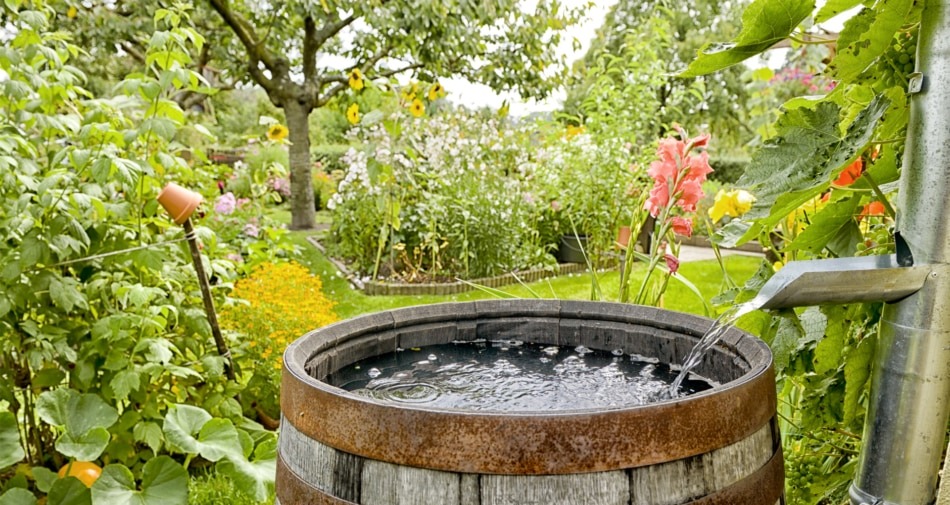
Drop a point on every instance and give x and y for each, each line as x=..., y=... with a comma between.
x=180, y=203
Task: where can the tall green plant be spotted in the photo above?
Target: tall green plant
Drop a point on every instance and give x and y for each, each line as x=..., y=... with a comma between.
x=101, y=328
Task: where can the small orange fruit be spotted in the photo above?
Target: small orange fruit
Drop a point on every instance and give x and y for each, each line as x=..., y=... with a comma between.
x=86, y=472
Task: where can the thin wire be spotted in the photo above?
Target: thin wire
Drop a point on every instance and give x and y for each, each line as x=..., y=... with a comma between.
x=113, y=253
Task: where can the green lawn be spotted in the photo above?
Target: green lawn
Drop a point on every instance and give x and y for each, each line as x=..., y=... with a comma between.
x=706, y=275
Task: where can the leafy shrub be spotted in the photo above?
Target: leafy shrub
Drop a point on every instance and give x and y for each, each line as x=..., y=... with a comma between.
x=275, y=304
x=728, y=170
x=329, y=156
x=440, y=197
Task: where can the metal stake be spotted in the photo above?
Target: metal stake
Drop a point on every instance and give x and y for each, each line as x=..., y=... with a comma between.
x=208, y=300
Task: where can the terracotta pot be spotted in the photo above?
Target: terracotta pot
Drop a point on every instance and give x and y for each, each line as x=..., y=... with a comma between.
x=179, y=202
x=623, y=237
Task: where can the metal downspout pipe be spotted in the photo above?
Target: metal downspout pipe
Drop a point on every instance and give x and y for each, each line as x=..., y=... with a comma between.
x=910, y=384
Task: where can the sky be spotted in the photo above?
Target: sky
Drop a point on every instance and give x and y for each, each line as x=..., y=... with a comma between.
x=463, y=92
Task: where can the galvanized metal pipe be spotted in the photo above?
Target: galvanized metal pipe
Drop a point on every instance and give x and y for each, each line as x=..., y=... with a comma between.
x=910, y=386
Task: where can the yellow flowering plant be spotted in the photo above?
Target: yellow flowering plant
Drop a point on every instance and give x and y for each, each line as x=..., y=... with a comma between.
x=356, y=79
x=417, y=108
x=353, y=113
x=274, y=305
x=732, y=203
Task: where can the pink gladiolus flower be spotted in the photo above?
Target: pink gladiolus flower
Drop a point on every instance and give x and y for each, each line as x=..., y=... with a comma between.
x=691, y=192
x=682, y=226
x=685, y=169
x=672, y=263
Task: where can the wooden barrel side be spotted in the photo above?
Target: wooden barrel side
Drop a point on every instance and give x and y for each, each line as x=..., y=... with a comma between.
x=748, y=472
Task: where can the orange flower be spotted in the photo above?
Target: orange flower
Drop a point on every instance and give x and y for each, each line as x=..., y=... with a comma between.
x=874, y=208
x=850, y=174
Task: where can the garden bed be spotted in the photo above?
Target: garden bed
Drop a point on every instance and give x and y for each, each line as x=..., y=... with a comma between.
x=384, y=288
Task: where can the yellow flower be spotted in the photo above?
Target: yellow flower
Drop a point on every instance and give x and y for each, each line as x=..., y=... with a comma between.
x=436, y=91
x=356, y=79
x=733, y=203
x=277, y=132
x=353, y=113
x=417, y=109
x=71, y=12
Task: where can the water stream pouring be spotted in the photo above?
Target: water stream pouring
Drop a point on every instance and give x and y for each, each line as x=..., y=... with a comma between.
x=910, y=384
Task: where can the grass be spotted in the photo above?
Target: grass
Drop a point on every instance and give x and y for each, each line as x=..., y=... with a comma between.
x=705, y=275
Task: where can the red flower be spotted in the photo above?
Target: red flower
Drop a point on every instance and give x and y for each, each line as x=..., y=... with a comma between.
x=672, y=263
x=682, y=226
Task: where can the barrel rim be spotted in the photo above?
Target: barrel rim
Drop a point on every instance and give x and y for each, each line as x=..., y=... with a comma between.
x=536, y=442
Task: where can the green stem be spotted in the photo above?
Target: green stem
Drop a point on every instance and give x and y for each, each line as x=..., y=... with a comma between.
x=880, y=195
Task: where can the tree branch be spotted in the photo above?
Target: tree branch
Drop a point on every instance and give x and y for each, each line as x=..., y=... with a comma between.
x=133, y=51
x=329, y=30
x=310, y=46
x=245, y=33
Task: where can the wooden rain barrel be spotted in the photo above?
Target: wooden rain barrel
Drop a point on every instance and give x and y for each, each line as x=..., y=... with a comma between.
x=719, y=446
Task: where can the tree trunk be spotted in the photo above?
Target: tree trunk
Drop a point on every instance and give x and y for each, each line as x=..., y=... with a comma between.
x=301, y=185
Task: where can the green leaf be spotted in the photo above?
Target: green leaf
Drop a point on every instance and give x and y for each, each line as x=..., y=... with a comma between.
x=764, y=23
x=66, y=294
x=150, y=433
x=17, y=496
x=253, y=477
x=857, y=370
x=834, y=7
x=44, y=477
x=164, y=482
x=11, y=452
x=87, y=412
x=796, y=166
x=787, y=336
x=69, y=491
x=85, y=447
x=182, y=422
x=125, y=382
x=51, y=406
x=826, y=225
x=866, y=36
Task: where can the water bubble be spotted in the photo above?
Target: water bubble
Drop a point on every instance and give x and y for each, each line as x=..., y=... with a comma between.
x=373, y=373
x=433, y=357
x=617, y=352
x=551, y=351
x=582, y=350
x=423, y=362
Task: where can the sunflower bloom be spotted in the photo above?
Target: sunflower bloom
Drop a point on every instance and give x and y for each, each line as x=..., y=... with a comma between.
x=353, y=113
x=356, y=79
x=277, y=132
x=417, y=108
x=435, y=92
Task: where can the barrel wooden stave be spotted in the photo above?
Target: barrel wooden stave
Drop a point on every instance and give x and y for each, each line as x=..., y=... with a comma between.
x=370, y=482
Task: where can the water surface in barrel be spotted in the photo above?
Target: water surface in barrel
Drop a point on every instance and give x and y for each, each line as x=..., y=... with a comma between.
x=512, y=376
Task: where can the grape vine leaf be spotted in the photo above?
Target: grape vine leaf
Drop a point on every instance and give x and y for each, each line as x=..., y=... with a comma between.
x=826, y=225
x=866, y=36
x=857, y=370
x=764, y=23
x=797, y=165
x=834, y=7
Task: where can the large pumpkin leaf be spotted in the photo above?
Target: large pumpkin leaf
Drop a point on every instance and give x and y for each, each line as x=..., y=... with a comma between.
x=192, y=430
x=85, y=447
x=10, y=450
x=69, y=491
x=164, y=482
x=253, y=476
x=17, y=496
x=764, y=23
